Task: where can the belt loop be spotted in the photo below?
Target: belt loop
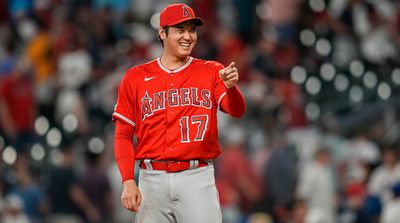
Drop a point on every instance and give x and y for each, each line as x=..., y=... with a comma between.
x=147, y=162
x=194, y=164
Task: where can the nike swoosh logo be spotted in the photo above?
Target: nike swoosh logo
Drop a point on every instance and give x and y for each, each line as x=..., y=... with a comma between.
x=148, y=78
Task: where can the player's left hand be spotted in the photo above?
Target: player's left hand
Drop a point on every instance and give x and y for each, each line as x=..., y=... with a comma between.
x=229, y=75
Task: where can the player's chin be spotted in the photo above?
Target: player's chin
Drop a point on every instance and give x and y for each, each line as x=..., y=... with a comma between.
x=186, y=49
x=185, y=52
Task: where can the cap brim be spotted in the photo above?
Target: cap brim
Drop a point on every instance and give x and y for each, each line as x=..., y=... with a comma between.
x=197, y=21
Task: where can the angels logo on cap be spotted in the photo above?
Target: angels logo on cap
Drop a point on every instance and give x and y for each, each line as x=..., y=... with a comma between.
x=178, y=13
x=186, y=12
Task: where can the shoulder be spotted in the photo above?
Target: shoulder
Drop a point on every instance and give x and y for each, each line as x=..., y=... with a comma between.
x=138, y=70
x=210, y=64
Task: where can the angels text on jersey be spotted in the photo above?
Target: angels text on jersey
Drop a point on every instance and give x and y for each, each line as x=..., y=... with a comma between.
x=174, y=98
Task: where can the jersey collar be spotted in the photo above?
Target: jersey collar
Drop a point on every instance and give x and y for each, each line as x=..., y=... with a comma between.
x=174, y=70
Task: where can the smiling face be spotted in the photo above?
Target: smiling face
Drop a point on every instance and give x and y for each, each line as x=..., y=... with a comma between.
x=180, y=40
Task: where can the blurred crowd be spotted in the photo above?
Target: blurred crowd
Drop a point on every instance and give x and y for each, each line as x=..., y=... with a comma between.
x=319, y=142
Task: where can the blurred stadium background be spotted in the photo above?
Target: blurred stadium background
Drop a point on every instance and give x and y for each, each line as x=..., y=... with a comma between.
x=319, y=141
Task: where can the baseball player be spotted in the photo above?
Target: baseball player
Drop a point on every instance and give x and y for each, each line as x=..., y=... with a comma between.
x=171, y=104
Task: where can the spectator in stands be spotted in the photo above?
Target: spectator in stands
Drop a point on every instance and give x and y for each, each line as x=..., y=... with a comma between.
x=13, y=210
x=385, y=175
x=391, y=211
x=29, y=190
x=96, y=186
x=74, y=70
x=39, y=50
x=317, y=186
x=18, y=106
x=284, y=48
x=67, y=199
x=239, y=186
x=280, y=172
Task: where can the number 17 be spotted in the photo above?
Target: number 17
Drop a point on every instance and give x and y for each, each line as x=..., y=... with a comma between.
x=200, y=120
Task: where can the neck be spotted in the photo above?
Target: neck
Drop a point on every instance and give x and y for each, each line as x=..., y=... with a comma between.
x=172, y=63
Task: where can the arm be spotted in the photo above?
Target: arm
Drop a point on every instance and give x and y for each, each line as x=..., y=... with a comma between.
x=124, y=155
x=80, y=198
x=6, y=121
x=124, y=149
x=233, y=103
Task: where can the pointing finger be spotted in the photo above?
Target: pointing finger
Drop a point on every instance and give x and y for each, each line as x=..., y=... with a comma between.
x=231, y=65
x=231, y=68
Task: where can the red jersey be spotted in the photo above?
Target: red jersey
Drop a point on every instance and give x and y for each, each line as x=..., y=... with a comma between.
x=17, y=94
x=174, y=112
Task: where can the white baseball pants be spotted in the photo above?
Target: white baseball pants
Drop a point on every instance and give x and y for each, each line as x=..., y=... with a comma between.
x=185, y=197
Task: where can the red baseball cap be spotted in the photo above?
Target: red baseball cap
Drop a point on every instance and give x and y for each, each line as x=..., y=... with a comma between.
x=178, y=13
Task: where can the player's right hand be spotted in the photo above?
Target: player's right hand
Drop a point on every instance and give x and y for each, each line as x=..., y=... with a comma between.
x=229, y=75
x=131, y=196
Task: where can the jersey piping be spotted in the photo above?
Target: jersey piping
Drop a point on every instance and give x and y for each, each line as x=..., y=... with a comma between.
x=124, y=118
x=174, y=70
x=220, y=99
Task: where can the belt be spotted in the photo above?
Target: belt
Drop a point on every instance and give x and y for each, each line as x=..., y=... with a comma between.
x=172, y=166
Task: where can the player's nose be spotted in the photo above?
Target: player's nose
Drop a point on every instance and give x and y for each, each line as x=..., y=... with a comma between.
x=186, y=35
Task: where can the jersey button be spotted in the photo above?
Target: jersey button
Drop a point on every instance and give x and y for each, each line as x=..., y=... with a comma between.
x=171, y=84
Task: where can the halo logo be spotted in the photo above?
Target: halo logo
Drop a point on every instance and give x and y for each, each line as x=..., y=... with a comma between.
x=186, y=12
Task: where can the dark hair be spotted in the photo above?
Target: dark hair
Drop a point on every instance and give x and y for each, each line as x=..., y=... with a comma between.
x=166, y=33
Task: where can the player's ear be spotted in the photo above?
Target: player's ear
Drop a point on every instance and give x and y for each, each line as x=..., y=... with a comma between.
x=162, y=33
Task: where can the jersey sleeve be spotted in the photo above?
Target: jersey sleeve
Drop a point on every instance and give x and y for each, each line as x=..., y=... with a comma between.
x=125, y=108
x=220, y=89
x=124, y=150
x=233, y=102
